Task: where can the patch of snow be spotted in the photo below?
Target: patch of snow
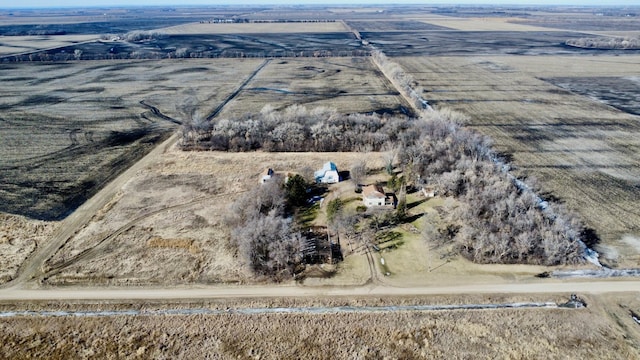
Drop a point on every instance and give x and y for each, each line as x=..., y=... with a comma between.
x=603, y=272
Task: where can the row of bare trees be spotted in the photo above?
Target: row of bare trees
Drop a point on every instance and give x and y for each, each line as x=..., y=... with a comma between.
x=125, y=53
x=405, y=82
x=297, y=128
x=606, y=43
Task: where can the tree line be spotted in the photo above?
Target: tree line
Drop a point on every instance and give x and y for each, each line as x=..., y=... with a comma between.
x=606, y=43
x=296, y=128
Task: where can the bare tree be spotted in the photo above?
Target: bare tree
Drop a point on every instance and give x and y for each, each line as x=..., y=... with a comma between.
x=358, y=172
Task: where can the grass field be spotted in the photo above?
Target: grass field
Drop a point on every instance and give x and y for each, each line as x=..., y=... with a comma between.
x=593, y=332
x=585, y=152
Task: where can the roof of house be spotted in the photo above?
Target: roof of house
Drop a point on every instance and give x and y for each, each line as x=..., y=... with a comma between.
x=373, y=192
x=328, y=166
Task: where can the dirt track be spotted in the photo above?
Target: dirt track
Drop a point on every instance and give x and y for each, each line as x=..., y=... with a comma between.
x=69, y=226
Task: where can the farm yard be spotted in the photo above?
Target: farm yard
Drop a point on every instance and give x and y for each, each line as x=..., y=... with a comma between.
x=173, y=211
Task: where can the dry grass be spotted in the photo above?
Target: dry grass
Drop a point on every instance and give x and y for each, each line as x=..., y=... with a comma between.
x=351, y=85
x=19, y=237
x=255, y=28
x=480, y=24
x=158, y=243
x=596, y=332
x=585, y=152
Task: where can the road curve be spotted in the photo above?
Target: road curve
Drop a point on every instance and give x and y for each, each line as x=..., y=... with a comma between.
x=192, y=293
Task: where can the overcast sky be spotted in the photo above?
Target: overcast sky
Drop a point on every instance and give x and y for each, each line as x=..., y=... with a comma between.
x=85, y=3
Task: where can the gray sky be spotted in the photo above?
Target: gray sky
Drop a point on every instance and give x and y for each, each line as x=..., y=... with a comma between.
x=85, y=3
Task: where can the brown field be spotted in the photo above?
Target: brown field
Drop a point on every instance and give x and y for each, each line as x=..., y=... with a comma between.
x=11, y=45
x=597, y=331
x=19, y=236
x=584, y=152
x=350, y=85
x=255, y=28
x=480, y=24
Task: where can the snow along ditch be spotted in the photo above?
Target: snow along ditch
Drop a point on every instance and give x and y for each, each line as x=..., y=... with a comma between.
x=288, y=310
x=590, y=255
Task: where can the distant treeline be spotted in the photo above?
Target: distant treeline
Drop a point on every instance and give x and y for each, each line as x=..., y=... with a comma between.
x=116, y=53
x=253, y=21
x=606, y=43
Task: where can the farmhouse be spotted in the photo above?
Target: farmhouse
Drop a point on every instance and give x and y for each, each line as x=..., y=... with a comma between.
x=266, y=175
x=328, y=174
x=374, y=195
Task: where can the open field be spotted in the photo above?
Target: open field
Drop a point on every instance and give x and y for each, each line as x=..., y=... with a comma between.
x=255, y=28
x=598, y=331
x=350, y=85
x=68, y=128
x=476, y=43
x=10, y=45
x=19, y=237
x=393, y=25
x=237, y=45
x=585, y=152
x=481, y=24
x=617, y=20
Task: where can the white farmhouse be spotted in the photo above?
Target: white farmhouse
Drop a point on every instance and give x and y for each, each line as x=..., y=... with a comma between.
x=374, y=195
